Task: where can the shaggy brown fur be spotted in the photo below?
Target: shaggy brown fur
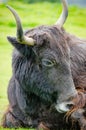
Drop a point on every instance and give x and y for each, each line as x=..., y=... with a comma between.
x=78, y=112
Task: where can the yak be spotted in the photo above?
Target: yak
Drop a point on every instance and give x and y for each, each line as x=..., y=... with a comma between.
x=48, y=79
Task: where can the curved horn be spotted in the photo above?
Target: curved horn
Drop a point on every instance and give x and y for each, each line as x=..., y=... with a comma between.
x=20, y=35
x=64, y=14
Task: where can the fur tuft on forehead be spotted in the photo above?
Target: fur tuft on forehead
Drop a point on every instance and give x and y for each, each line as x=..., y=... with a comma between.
x=50, y=37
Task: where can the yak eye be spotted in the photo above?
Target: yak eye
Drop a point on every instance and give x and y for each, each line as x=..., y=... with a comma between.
x=47, y=62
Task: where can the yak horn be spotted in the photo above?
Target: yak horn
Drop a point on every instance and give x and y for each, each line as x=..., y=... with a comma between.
x=20, y=34
x=63, y=15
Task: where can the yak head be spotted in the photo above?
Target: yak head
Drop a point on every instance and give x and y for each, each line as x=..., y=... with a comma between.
x=41, y=62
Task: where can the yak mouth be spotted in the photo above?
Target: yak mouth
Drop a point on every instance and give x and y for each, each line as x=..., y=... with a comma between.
x=76, y=112
x=65, y=104
x=76, y=103
x=64, y=107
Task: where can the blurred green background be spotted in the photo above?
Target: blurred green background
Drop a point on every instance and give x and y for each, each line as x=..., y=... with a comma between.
x=40, y=12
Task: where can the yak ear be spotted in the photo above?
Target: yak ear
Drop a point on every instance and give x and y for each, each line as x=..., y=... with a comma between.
x=25, y=50
x=14, y=42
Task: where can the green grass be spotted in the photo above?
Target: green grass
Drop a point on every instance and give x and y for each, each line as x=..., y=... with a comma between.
x=32, y=15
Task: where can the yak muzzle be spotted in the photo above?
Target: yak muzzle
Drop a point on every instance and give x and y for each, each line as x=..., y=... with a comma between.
x=64, y=106
x=67, y=103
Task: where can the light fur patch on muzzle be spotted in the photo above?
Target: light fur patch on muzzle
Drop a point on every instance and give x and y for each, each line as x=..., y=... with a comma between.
x=63, y=107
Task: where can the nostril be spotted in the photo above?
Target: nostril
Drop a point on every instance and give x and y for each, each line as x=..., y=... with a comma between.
x=70, y=106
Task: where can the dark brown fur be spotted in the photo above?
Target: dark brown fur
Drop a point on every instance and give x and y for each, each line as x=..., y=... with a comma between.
x=78, y=67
